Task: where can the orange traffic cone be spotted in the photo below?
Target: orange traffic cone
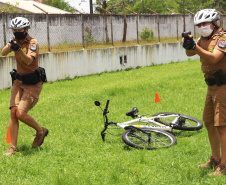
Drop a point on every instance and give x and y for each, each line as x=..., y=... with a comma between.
x=8, y=137
x=157, y=99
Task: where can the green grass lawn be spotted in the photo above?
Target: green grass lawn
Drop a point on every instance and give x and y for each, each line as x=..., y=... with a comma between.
x=74, y=153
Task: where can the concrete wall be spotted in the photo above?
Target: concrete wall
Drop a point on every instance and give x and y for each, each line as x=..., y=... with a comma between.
x=86, y=62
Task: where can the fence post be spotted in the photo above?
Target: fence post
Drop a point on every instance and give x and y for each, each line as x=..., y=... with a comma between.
x=194, y=32
x=157, y=22
x=107, y=38
x=221, y=20
x=137, y=29
x=106, y=28
x=4, y=30
x=47, y=23
x=177, y=29
x=125, y=22
x=136, y=23
x=112, y=41
x=83, y=41
x=158, y=28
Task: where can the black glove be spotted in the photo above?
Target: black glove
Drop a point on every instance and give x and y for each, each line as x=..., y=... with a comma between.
x=189, y=43
x=14, y=47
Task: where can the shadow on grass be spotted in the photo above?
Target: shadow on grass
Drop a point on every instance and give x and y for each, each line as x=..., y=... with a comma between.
x=183, y=133
x=203, y=172
x=126, y=147
x=28, y=150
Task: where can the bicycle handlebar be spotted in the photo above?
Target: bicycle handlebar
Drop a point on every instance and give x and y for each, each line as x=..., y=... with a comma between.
x=106, y=108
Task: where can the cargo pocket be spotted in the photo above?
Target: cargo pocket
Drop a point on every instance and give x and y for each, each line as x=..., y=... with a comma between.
x=34, y=97
x=221, y=106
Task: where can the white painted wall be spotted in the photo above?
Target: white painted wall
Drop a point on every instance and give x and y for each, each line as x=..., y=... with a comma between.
x=86, y=62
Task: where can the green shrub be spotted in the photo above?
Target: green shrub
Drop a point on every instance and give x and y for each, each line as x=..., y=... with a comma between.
x=89, y=39
x=147, y=33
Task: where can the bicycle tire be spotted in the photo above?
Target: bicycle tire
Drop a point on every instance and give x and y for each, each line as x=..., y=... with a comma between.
x=138, y=139
x=187, y=123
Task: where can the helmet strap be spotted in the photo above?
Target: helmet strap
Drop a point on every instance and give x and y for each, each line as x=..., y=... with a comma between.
x=215, y=27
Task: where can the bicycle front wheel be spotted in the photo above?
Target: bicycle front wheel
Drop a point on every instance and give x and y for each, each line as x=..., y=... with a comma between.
x=158, y=139
x=184, y=122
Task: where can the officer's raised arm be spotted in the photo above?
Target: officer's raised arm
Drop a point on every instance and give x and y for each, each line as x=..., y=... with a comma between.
x=6, y=50
x=210, y=57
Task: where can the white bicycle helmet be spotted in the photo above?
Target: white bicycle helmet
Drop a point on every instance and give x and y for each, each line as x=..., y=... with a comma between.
x=206, y=15
x=19, y=23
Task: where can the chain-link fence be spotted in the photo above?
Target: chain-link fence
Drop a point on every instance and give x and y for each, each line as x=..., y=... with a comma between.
x=65, y=32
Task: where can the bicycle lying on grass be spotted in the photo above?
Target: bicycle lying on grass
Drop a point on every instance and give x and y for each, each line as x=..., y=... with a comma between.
x=154, y=132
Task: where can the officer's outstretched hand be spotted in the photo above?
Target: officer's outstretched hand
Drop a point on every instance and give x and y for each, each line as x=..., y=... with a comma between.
x=189, y=43
x=14, y=45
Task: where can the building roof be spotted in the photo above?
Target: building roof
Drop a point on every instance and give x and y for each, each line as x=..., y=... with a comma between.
x=33, y=7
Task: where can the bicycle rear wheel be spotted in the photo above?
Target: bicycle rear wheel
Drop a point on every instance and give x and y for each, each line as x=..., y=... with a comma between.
x=184, y=122
x=158, y=139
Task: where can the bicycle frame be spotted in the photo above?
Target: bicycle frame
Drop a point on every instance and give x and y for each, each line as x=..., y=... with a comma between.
x=158, y=126
x=143, y=119
x=129, y=124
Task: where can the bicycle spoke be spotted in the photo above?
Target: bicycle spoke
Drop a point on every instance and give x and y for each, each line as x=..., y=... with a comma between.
x=179, y=121
x=136, y=136
x=156, y=140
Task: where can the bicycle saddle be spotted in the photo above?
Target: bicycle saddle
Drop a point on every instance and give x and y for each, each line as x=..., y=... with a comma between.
x=133, y=112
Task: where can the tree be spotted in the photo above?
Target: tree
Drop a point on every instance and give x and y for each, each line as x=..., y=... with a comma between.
x=61, y=4
x=101, y=3
x=160, y=6
x=11, y=8
x=115, y=6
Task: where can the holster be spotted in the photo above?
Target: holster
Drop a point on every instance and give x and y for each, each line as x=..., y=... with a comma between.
x=219, y=78
x=13, y=75
x=41, y=74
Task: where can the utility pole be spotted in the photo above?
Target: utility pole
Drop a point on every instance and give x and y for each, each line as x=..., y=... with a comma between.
x=91, y=6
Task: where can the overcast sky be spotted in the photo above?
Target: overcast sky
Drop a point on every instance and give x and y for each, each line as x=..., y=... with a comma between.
x=81, y=5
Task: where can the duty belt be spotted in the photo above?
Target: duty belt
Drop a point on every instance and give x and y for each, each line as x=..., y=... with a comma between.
x=19, y=77
x=218, y=80
x=28, y=79
x=210, y=81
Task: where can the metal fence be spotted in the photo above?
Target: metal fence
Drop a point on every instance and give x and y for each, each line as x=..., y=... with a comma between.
x=57, y=32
